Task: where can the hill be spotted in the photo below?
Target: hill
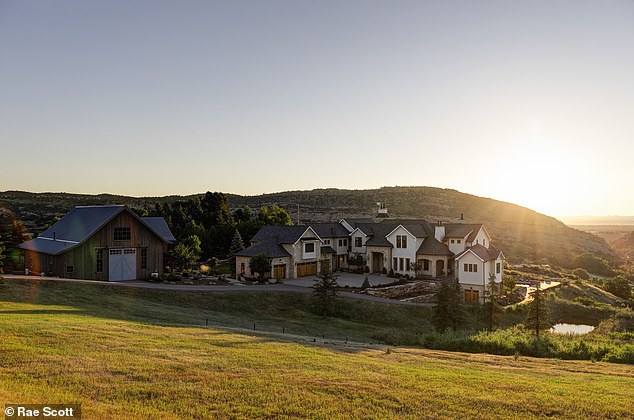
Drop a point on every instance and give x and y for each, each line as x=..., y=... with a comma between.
x=523, y=234
x=624, y=245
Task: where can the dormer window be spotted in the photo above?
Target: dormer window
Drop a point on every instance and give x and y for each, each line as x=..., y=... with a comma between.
x=401, y=241
x=308, y=248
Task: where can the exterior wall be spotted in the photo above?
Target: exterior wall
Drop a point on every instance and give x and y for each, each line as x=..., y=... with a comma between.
x=455, y=247
x=408, y=252
x=387, y=256
x=297, y=252
x=482, y=238
x=364, y=239
x=433, y=263
x=274, y=261
x=478, y=278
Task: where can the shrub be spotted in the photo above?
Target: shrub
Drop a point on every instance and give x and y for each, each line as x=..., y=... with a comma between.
x=581, y=273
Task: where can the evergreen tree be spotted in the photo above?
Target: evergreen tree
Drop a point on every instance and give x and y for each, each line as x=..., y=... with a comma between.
x=260, y=265
x=236, y=244
x=325, y=290
x=448, y=312
x=538, y=315
x=492, y=308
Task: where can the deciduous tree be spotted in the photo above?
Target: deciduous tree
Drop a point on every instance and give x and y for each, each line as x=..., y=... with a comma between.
x=261, y=265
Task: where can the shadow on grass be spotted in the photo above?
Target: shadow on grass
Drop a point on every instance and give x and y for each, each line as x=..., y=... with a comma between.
x=283, y=316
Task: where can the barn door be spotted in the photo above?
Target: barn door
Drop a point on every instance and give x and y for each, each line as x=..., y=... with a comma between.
x=122, y=264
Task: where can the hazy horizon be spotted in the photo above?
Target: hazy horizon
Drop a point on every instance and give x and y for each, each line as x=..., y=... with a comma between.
x=523, y=102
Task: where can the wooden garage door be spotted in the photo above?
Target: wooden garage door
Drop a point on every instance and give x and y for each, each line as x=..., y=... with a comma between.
x=307, y=269
x=279, y=271
x=471, y=296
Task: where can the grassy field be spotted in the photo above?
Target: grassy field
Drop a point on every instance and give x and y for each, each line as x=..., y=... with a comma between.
x=124, y=353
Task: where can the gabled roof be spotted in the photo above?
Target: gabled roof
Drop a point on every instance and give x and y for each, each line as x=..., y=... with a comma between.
x=84, y=221
x=330, y=230
x=482, y=252
x=269, y=249
x=431, y=246
x=281, y=234
x=461, y=230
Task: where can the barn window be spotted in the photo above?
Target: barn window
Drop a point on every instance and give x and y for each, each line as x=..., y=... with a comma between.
x=70, y=269
x=100, y=261
x=143, y=258
x=122, y=234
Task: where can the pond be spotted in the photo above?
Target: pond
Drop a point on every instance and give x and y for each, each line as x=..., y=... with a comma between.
x=577, y=329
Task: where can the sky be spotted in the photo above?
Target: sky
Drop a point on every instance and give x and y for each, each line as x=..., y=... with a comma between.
x=525, y=102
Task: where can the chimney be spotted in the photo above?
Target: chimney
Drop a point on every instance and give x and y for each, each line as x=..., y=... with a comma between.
x=461, y=218
x=439, y=231
x=382, y=210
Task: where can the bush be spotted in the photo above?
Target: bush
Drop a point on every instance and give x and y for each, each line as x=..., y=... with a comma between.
x=618, y=286
x=366, y=283
x=391, y=273
x=581, y=273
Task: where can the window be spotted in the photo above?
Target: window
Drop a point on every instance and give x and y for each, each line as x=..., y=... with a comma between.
x=326, y=241
x=358, y=242
x=242, y=268
x=453, y=241
x=484, y=242
x=70, y=269
x=407, y=264
x=400, y=264
x=471, y=268
x=401, y=241
x=343, y=242
x=143, y=258
x=459, y=240
x=498, y=268
x=426, y=265
x=308, y=248
x=99, y=261
x=122, y=234
x=395, y=264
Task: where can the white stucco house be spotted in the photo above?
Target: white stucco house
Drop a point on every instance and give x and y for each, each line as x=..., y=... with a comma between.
x=409, y=247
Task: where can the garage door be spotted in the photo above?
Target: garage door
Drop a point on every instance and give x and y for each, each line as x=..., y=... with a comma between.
x=279, y=271
x=122, y=264
x=307, y=269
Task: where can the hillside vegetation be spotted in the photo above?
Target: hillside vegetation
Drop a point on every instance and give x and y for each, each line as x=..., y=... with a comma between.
x=523, y=234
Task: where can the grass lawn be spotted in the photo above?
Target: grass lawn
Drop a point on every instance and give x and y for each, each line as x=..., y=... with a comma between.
x=124, y=353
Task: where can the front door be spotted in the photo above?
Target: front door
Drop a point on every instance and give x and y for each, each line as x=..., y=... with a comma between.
x=122, y=264
x=440, y=266
x=377, y=262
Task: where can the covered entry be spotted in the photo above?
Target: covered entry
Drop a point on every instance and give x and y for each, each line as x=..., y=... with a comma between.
x=279, y=271
x=122, y=264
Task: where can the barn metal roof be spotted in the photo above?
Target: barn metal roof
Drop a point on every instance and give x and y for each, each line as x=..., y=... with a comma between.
x=84, y=221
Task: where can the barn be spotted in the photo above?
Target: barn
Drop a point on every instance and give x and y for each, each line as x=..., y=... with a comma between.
x=100, y=243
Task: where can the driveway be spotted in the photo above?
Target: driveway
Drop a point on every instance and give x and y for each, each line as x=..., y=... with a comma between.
x=344, y=279
x=304, y=286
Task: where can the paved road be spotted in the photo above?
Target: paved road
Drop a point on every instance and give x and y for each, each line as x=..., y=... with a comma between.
x=299, y=288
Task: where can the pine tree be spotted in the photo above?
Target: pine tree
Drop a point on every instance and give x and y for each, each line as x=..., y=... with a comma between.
x=325, y=290
x=236, y=244
x=492, y=308
x=448, y=311
x=538, y=316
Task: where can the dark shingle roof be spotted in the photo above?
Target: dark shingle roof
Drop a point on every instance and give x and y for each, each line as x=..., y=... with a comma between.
x=270, y=249
x=431, y=246
x=330, y=230
x=81, y=223
x=484, y=253
x=460, y=230
x=279, y=234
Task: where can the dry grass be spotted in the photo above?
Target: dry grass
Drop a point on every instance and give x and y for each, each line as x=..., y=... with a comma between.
x=122, y=367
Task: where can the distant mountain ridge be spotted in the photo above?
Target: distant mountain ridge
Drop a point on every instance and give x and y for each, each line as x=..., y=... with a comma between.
x=522, y=234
